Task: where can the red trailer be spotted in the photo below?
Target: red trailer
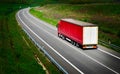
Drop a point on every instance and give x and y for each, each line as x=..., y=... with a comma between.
x=78, y=33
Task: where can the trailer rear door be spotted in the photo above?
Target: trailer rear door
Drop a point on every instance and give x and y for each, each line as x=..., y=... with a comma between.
x=90, y=35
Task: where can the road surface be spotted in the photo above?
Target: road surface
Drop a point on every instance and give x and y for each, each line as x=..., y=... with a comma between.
x=72, y=59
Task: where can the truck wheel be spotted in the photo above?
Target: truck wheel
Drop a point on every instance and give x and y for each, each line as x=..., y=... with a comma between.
x=77, y=45
x=58, y=35
x=73, y=43
x=63, y=37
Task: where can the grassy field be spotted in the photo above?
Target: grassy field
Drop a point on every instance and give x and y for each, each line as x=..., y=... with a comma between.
x=17, y=52
x=105, y=15
x=87, y=1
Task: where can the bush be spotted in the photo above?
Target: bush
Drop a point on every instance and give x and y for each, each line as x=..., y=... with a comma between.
x=118, y=34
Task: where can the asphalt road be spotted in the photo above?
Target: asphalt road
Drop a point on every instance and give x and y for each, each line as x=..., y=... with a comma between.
x=74, y=60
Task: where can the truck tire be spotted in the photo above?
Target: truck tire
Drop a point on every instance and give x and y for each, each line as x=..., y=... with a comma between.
x=63, y=37
x=73, y=42
x=59, y=35
x=77, y=45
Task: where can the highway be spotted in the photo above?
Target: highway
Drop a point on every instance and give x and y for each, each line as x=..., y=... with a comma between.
x=72, y=59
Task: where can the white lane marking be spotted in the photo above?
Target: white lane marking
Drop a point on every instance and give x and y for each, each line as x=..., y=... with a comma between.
x=52, y=48
x=98, y=49
x=75, y=48
x=109, y=53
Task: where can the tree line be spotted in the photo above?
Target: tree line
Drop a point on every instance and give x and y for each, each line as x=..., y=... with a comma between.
x=57, y=1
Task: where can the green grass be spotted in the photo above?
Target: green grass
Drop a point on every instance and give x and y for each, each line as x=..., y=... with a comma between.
x=16, y=57
x=105, y=15
x=88, y=1
x=40, y=15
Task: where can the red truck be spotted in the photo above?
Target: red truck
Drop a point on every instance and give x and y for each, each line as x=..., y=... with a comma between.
x=81, y=34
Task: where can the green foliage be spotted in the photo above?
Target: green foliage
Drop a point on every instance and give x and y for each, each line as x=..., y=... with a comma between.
x=17, y=1
x=89, y=1
x=43, y=2
x=16, y=57
x=7, y=8
x=118, y=33
x=42, y=17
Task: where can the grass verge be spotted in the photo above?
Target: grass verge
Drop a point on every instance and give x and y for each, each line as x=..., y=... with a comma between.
x=40, y=15
x=17, y=52
x=16, y=57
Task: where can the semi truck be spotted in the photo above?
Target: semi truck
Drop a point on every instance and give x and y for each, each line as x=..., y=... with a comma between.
x=79, y=33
